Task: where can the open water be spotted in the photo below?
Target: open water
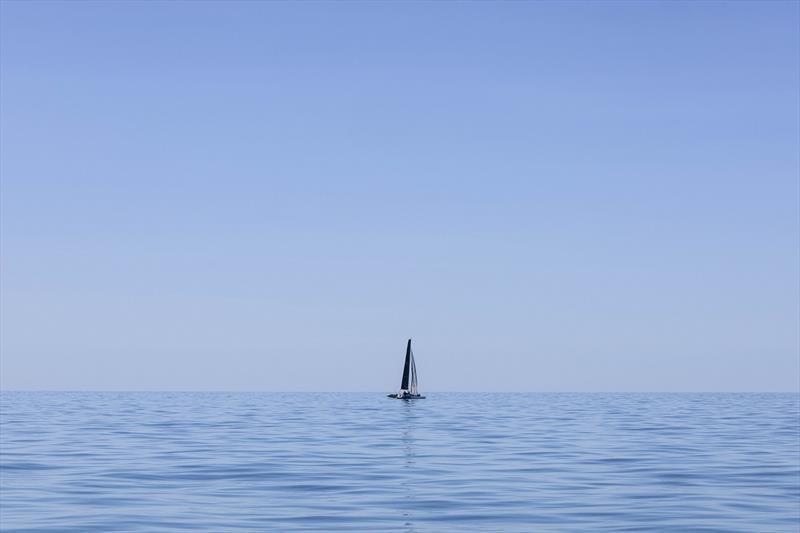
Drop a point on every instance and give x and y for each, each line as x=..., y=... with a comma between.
x=361, y=462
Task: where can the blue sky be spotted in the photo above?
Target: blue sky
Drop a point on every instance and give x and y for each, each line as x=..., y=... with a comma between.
x=267, y=196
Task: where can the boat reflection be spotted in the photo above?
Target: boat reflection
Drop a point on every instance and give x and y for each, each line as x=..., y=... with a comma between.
x=409, y=421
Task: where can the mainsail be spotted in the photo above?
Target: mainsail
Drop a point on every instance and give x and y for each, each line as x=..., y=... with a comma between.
x=409, y=382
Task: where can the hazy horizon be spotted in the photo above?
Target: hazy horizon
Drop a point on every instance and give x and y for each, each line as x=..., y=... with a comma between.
x=383, y=392
x=548, y=197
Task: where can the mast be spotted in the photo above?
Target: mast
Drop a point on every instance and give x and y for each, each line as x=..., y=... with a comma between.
x=406, y=367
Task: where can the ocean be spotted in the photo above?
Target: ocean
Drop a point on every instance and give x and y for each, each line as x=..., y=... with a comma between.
x=454, y=462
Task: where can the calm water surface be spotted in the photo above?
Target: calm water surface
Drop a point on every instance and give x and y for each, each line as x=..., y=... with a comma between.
x=362, y=462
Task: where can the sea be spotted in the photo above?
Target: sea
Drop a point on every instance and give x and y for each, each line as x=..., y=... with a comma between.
x=453, y=462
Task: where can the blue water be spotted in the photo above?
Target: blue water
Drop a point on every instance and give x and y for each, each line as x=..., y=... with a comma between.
x=362, y=462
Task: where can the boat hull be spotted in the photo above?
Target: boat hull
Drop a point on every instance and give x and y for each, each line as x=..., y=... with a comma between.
x=406, y=396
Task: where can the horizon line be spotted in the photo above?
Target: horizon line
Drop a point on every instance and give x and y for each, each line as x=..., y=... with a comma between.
x=250, y=391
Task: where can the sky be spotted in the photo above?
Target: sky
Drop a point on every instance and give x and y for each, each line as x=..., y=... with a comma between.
x=266, y=196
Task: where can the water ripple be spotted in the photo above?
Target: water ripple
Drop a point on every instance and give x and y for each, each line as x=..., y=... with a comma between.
x=360, y=462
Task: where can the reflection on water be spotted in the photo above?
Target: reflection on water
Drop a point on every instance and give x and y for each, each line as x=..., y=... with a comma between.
x=408, y=421
x=360, y=462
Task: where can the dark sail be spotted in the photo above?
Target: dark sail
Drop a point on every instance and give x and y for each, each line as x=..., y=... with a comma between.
x=406, y=367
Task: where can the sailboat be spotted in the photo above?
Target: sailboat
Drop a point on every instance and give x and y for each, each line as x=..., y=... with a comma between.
x=408, y=386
